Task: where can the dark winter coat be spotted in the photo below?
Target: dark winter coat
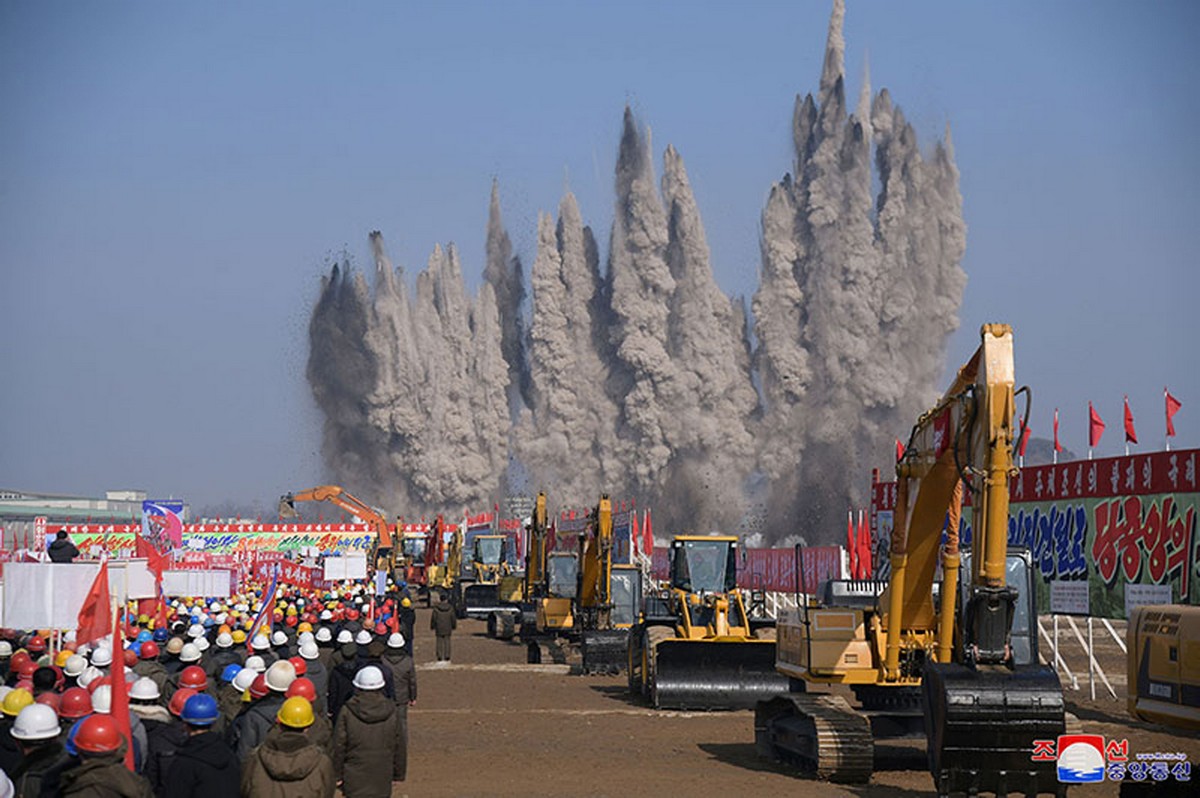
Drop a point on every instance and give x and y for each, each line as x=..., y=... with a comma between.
x=63, y=550
x=404, y=676
x=155, y=672
x=251, y=727
x=221, y=658
x=229, y=702
x=105, y=777
x=288, y=765
x=164, y=736
x=408, y=619
x=325, y=655
x=367, y=746
x=10, y=754
x=37, y=774
x=341, y=682
x=204, y=767
x=318, y=674
x=443, y=620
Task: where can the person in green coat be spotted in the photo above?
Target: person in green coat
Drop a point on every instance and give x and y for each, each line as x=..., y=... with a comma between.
x=368, y=743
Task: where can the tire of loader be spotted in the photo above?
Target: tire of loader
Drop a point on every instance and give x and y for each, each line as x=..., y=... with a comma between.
x=506, y=625
x=654, y=635
x=491, y=625
x=633, y=662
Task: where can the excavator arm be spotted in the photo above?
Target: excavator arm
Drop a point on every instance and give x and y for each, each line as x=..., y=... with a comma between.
x=344, y=500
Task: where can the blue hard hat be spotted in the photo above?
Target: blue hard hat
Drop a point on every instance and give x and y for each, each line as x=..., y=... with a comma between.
x=135, y=647
x=200, y=710
x=144, y=635
x=161, y=635
x=70, y=743
x=231, y=670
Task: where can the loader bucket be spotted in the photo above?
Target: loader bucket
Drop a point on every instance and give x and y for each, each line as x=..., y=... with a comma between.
x=981, y=725
x=604, y=651
x=714, y=674
x=480, y=601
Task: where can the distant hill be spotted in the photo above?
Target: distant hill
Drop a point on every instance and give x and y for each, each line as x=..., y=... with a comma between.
x=1040, y=451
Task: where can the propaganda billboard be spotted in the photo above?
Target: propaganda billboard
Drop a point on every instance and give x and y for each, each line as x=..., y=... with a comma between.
x=1114, y=523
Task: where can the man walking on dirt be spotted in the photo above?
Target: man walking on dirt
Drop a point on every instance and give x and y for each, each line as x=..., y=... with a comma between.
x=443, y=621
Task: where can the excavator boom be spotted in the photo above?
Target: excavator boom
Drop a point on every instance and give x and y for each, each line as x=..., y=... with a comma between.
x=341, y=498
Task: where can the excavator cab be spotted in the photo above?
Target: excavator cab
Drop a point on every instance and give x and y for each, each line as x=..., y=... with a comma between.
x=704, y=565
x=489, y=563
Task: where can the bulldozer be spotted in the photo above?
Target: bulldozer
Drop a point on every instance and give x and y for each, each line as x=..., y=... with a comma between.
x=1164, y=665
x=696, y=645
x=383, y=555
x=608, y=598
x=962, y=672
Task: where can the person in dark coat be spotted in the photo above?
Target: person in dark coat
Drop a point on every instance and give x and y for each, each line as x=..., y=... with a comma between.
x=288, y=763
x=404, y=683
x=407, y=618
x=367, y=746
x=62, y=549
x=204, y=766
x=42, y=754
x=164, y=736
x=341, y=681
x=443, y=622
x=102, y=772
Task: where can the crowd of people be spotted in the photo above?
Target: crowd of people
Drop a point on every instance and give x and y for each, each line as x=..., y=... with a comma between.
x=312, y=697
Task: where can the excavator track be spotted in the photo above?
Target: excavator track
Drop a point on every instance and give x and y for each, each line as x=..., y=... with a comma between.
x=821, y=734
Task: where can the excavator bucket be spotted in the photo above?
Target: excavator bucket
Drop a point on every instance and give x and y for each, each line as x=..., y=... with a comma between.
x=605, y=651
x=714, y=674
x=981, y=725
x=287, y=507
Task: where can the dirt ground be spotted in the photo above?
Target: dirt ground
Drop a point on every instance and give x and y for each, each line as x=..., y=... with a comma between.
x=490, y=725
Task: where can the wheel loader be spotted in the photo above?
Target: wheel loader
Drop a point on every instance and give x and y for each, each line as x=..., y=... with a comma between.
x=696, y=646
x=958, y=666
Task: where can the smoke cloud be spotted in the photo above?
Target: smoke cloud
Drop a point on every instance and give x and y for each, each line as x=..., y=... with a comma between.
x=639, y=379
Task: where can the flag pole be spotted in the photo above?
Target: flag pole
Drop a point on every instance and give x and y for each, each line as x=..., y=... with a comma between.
x=1167, y=410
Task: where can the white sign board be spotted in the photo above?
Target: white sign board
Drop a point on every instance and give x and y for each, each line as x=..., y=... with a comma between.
x=1141, y=595
x=131, y=579
x=348, y=566
x=209, y=584
x=1069, y=598
x=47, y=595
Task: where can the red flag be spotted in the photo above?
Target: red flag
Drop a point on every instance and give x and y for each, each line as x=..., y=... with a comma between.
x=94, y=622
x=1173, y=406
x=156, y=561
x=120, y=693
x=941, y=434
x=1095, y=426
x=899, y=450
x=1057, y=446
x=635, y=533
x=852, y=544
x=649, y=535
x=1024, y=440
x=1130, y=432
x=865, y=565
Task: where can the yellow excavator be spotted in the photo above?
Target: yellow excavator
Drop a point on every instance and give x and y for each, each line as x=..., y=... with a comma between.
x=1164, y=665
x=546, y=621
x=384, y=555
x=960, y=667
x=446, y=560
x=696, y=646
x=608, y=599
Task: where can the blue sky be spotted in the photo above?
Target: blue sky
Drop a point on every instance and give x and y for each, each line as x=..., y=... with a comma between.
x=174, y=178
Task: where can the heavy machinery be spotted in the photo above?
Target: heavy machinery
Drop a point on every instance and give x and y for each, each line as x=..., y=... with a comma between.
x=383, y=555
x=445, y=558
x=967, y=672
x=1164, y=665
x=696, y=646
x=412, y=558
x=608, y=599
x=542, y=614
x=479, y=587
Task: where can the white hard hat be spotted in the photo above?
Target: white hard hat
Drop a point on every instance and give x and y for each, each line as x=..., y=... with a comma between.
x=369, y=678
x=75, y=665
x=395, y=640
x=363, y=637
x=345, y=636
x=5, y=648
x=36, y=722
x=260, y=642
x=69, y=637
x=278, y=639
x=245, y=677
x=221, y=618
x=280, y=675
x=214, y=607
x=189, y=653
x=326, y=615
x=203, y=644
x=224, y=640
x=5, y=690
x=145, y=689
x=195, y=630
x=102, y=700
x=305, y=637
x=90, y=674
x=256, y=663
x=102, y=657
x=308, y=650
x=324, y=635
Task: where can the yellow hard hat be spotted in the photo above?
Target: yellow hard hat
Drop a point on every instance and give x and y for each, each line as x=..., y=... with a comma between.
x=239, y=636
x=20, y=698
x=60, y=659
x=406, y=602
x=296, y=713
x=304, y=626
x=143, y=619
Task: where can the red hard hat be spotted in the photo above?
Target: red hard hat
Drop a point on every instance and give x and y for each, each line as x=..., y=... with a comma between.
x=25, y=684
x=352, y=614
x=380, y=628
x=131, y=657
x=49, y=699
x=75, y=704
x=299, y=664
x=290, y=620
x=26, y=668
x=258, y=688
x=302, y=687
x=98, y=735
x=179, y=699
x=94, y=683
x=60, y=678
x=14, y=664
x=36, y=645
x=193, y=676
x=149, y=650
